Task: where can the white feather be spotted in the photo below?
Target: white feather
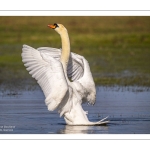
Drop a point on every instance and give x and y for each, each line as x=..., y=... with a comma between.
x=45, y=75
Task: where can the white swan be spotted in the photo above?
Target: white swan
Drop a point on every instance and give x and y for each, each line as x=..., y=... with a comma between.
x=64, y=77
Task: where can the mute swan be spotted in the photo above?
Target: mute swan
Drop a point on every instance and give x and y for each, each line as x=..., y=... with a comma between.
x=64, y=77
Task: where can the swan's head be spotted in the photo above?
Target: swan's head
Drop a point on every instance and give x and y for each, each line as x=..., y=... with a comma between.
x=59, y=28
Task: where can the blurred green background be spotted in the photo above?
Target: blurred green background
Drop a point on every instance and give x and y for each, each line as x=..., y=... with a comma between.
x=117, y=48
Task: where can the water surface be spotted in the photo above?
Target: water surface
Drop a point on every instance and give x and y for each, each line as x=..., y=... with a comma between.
x=128, y=108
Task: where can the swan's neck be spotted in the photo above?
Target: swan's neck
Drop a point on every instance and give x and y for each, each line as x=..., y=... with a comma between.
x=65, y=50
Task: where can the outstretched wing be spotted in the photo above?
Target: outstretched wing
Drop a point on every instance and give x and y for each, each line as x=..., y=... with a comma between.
x=85, y=85
x=78, y=71
x=49, y=74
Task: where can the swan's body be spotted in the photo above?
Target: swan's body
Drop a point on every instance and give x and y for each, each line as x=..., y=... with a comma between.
x=53, y=69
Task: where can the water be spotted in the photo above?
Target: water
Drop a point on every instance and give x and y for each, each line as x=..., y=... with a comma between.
x=128, y=108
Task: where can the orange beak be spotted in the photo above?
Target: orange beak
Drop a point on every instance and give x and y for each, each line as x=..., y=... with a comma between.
x=51, y=26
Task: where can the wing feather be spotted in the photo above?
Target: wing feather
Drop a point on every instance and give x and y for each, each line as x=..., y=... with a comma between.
x=75, y=69
x=87, y=84
x=78, y=71
x=49, y=74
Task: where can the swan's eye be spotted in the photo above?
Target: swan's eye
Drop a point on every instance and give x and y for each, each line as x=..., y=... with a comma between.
x=56, y=25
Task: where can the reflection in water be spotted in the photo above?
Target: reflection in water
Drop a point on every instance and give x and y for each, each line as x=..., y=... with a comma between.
x=83, y=129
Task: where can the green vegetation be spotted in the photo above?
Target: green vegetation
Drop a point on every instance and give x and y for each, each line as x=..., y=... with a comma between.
x=117, y=48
